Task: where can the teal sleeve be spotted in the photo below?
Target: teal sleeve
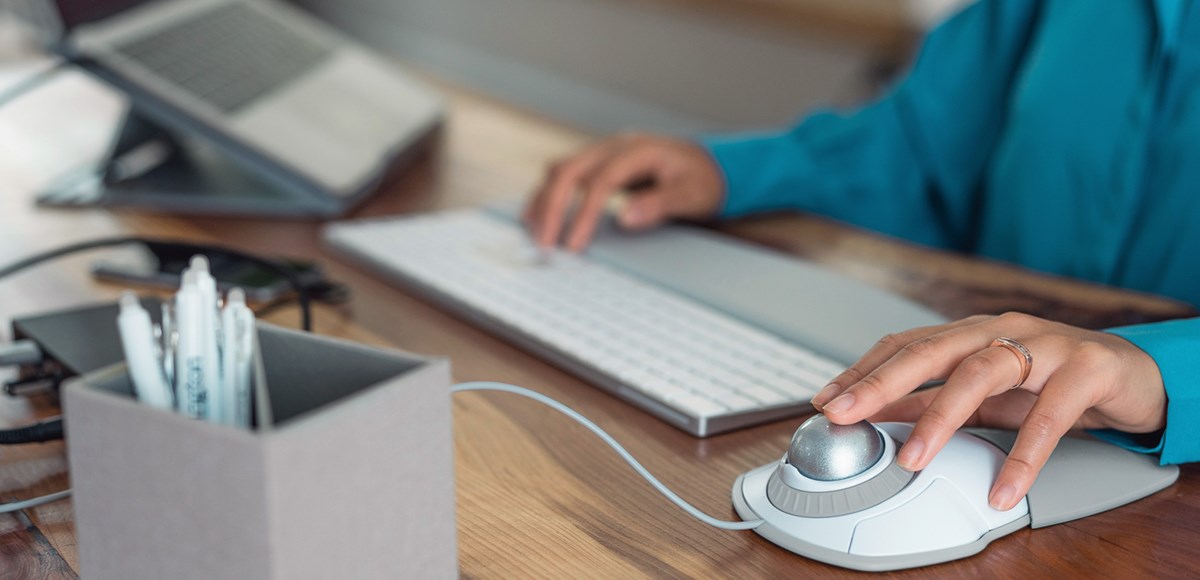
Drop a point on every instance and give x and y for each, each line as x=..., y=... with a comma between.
x=908, y=165
x=1175, y=347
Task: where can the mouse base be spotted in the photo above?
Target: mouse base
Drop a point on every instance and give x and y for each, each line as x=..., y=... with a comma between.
x=942, y=513
x=935, y=515
x=774, y=522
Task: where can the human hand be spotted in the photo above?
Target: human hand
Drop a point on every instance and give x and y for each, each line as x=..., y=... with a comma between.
x=674, y=178
x=1079, y=379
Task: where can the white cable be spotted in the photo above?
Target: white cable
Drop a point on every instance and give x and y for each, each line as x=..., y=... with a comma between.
x=561, y=408
x=543, y=399
x=33, y=502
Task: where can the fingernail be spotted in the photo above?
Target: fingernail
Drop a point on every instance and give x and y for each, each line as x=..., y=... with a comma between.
x=1003, y=497
x=911, y=453
x=827, y=393
x=841, y=404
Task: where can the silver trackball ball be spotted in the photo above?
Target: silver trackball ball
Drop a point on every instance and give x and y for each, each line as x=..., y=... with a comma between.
x=825, y=451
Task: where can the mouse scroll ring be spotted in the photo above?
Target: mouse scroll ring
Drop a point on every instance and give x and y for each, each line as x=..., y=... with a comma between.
x=1023, y=355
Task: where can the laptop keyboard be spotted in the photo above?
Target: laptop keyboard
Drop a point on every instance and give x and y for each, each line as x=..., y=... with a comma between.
x=699, y=368
x=228, y=56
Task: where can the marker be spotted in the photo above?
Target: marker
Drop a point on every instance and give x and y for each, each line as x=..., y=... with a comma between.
x=206, y=292
x=141, y=356
x=191, y=382
x=237, y=328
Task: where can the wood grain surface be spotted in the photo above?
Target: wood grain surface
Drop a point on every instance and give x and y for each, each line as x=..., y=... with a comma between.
x=537, y=495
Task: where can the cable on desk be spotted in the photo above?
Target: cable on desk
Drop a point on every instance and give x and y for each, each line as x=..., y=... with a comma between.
x=45, y=430
x=557, y=406
x=34, y=502
x=604, y=436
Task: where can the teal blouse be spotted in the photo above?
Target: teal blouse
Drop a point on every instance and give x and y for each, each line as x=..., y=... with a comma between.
x=1062, y=135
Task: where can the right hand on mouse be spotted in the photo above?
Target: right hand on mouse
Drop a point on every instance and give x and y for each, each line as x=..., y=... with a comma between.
x=1078, y=379
x=674, y=178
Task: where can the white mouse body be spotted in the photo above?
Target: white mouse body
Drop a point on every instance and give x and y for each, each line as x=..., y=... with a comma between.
x=940, y=513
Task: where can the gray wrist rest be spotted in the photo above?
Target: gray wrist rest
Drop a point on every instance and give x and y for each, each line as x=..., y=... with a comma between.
x=1085, y=476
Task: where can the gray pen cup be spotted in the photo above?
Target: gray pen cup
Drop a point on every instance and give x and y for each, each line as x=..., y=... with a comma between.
x=352, y=477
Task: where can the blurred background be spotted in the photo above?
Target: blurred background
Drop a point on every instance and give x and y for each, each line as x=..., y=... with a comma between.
x=677, y=66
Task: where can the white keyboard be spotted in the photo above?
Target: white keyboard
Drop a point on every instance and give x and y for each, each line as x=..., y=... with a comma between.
x=699, y=369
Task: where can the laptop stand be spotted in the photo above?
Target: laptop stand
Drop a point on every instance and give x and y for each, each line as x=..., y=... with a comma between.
x=150, y=167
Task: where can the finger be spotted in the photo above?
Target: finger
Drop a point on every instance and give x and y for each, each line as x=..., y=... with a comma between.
x=554, y=196
x=1004, y=411
x=532, y=215
x=987, y=373
x=881, y=352
x=627, y=166
x=930, y=357
x=532, y=209
x=647, y=209
x=908, y=408
x=1070, y=392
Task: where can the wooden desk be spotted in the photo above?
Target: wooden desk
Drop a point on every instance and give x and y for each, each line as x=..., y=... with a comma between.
x=537, y=495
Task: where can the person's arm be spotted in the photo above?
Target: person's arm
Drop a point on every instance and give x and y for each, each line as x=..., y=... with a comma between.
x=909, y=164
x=1175, y=347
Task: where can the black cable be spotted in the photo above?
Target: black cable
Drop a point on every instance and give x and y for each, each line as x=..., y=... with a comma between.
x=31, y=82
x=40, y=432
x=288, y=274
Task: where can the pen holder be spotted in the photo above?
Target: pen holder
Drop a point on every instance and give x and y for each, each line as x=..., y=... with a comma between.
x=353, y=478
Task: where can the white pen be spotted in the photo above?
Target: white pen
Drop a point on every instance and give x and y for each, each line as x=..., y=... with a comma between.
x=206, y=291
x=191, y=384
x=237, y=326
x=167, y=337
x=141, y=356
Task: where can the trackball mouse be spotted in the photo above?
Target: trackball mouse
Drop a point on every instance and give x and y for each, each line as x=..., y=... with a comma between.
x=838, y=496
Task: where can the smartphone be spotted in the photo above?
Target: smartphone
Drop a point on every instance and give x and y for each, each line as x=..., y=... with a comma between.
x=163, y=268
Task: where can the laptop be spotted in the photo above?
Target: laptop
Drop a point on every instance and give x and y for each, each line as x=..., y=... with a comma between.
x=285, y=96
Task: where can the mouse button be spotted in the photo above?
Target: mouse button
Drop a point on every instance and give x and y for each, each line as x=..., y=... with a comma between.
x=1083, y=477
x=937, y=519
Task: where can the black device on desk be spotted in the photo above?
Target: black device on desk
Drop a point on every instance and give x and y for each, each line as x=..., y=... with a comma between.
x=162, y=267
x=237, y=107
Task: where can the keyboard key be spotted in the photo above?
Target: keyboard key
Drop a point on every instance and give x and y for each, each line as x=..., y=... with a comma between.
x=764, y=395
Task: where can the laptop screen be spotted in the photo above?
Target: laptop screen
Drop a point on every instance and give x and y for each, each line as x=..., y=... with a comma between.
x=76, y=12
